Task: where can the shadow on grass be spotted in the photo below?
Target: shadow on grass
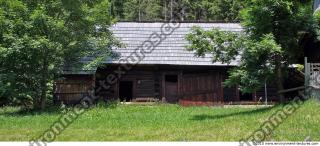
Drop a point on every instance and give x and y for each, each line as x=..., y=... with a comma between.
x=243, y=113
x=33, y=112
x=50, y=110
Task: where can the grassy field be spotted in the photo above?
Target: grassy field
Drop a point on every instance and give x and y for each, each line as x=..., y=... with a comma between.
x=162, y=123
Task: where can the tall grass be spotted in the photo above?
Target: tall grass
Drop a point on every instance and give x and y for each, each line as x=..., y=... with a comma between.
x=161, y=122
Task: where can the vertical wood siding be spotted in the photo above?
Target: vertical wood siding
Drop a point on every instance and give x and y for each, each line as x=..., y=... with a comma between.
x=201, y=89
x=72, y=88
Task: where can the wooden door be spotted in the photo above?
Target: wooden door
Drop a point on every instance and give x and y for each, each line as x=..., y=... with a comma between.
x=171, y=88
x=202, y=87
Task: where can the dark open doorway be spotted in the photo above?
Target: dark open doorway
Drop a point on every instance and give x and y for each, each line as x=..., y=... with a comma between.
x=125, y=91
x=171, y=87
x=172, y=78
x=246, y=96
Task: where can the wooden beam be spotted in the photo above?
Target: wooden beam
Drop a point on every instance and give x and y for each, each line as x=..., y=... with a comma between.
x=291, y=90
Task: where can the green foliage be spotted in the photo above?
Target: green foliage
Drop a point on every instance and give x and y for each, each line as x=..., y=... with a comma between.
x=210, y=10
x=269, y=44
x=257, y=64
x=317, y=26
x=145, y=9
x=224, y=46
x=317, y=16
x=257, y=57
x=284, y=19
x=39, y=37
x=300, y=68
x=117, y=8
x=155, y=10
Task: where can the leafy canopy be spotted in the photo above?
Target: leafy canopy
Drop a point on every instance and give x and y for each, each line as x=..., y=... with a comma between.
x=188, y=10
x=256, y=63
x=38, y=38
x=269, y=43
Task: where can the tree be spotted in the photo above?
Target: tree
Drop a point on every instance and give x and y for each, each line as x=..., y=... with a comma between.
x=227, y=10
x=188, y=10
x=39, y=37
x=208, y=10
x=142, y=10
x=117, y=8
x=268, y=46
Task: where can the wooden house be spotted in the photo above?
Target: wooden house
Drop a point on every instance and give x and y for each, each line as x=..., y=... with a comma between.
x=165, y=72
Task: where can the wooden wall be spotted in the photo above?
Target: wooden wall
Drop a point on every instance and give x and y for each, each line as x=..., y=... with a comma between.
x=230, y=94
x=144, y=82
x=201, y=89
x=72, y=88
x=195, y=85
x=271, y=91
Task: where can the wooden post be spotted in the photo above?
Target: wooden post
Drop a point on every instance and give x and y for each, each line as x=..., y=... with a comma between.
x=306, y=72
x=266, y=92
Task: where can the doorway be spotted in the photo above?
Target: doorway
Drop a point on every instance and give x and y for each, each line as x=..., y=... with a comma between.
x=246, y=96
x=171, y=88
x=126, y=91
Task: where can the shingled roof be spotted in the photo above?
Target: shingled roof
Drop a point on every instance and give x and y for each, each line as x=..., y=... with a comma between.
x=171, y=51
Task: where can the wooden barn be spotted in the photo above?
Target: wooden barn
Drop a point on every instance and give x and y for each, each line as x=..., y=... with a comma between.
x=164, y=72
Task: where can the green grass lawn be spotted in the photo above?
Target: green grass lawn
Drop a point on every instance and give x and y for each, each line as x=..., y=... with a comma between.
x=162, y=123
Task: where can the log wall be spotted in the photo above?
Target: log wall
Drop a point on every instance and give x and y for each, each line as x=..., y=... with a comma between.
x=194, y=86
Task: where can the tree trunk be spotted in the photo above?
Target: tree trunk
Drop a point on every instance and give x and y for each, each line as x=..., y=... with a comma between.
x=44, y=87
x=139, y=11
x=43, y=97
x=183, y=11
x=279, y=81
x=165, y=10
x=171, y=10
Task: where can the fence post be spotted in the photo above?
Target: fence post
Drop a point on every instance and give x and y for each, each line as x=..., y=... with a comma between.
x=306, y=72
